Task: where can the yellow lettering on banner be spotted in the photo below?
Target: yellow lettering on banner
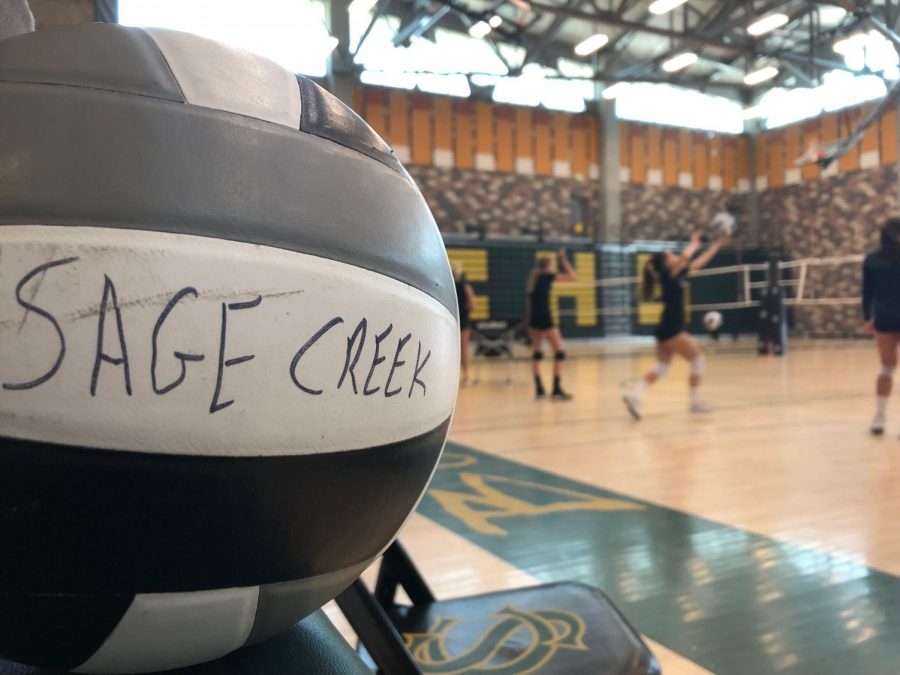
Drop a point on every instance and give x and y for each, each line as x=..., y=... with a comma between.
x=487, y=501
x=474, y=263
x=583, y=289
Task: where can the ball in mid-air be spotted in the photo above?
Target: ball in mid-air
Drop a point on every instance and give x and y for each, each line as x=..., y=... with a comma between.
x=724, y=224
x=228, y=348
x=712, y=321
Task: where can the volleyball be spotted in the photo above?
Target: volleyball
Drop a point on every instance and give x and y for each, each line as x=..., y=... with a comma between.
x=712, y=321
x=724, y=223
x=230, y=355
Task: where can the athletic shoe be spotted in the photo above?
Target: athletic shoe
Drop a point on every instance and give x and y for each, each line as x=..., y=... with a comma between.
x=633, y=403
x=701, y=407
x=877, y=427
x=560, y=395
x=541, y=394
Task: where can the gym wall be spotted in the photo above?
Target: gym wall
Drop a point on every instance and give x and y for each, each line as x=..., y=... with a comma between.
x=807, y=212
x=513, y=170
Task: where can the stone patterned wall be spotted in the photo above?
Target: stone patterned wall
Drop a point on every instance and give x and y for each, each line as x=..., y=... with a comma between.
x=831, y=217
x=508, y=204
x=503, y=203
x=670, y=213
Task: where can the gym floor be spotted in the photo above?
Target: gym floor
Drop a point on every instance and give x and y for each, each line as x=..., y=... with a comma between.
x=759, y=538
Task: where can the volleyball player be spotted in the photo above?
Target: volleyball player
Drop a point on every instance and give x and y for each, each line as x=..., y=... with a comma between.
x=541, y=325
x=670, y=270
x=881, y=312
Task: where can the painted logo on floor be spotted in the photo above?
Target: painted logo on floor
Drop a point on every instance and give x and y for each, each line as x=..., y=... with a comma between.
x=517, y=643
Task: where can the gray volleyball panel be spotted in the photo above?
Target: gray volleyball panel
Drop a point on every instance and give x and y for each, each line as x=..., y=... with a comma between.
x=97, y=56
x=284, y=604
x=186, y=169
x=214, y=75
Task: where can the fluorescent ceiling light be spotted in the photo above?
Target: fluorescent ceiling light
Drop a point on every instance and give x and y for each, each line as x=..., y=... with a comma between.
x=767, y=24
x=480, y=29
x=615, y=90
x=663, y=6
x=591, y=44
x=760, y=75
x=679, y=62
x=495, y=21
x=361, y=6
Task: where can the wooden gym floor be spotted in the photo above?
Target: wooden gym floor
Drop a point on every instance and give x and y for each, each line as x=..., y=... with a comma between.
x=759, y=538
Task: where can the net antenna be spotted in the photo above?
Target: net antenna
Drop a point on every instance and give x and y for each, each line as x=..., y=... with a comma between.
x=824, y=154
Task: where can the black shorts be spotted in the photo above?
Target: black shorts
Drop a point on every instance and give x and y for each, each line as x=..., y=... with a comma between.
x=666, y=331
x=541, y=321
x=464, y=321
x=888, y=324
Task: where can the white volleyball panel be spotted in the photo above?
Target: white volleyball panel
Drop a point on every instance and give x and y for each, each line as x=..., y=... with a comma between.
x=169, y=343
x=161, y=631
x=214, y=75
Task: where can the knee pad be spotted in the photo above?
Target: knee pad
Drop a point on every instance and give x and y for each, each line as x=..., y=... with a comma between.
x=697, y=365
x=661, y=368
x=537, y=356
x=560, y=356
x=887, y=371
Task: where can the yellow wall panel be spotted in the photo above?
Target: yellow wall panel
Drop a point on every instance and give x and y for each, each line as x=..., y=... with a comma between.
x=775, y=143
x=729, y=164
x=443, y=125
x=889, y=136
x=792, y=147
x=849, y=161
x=654, y=148
x=484, y=116
x=505, y=155
x=524, y=134
x=685, y=151
x=579, y=147
x=701, y=161
x=638, y=154
x=670, y=158
x=542, y=162
x=811, y=138
x=762, y=156
x=375, y=111
x=743, y=157
x=422, y=144
x=561, y=140
x=398, y=119
x=465, y=136
x=715, y=156
x=869, y=141
x=625, y=132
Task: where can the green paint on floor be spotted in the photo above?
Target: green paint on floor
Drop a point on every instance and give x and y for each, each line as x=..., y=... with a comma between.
x=732, y=601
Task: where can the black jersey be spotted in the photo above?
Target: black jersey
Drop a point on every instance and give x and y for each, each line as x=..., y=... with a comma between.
x=462, y=298
x=539, y=302
x=881, y=292
x=671, y=323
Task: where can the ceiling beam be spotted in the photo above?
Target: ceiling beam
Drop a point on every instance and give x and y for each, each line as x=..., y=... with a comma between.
x=611, y=19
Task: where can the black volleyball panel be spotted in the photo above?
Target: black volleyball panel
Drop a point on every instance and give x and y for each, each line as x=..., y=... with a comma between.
x=57, y=631
x=76, y=520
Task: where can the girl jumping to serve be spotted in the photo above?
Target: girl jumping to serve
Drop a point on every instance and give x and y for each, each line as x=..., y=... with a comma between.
x=670, y=270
